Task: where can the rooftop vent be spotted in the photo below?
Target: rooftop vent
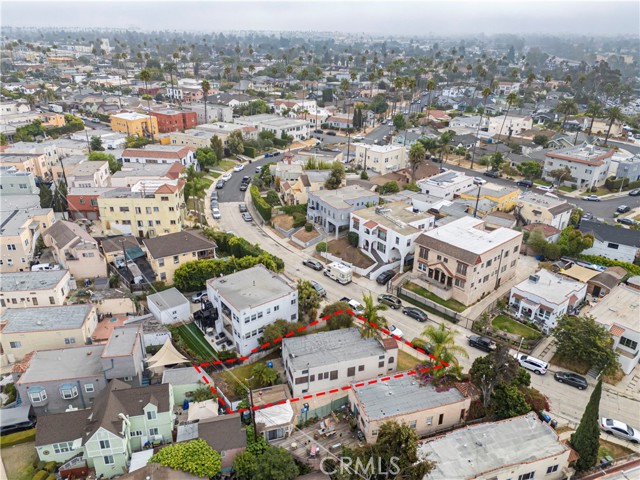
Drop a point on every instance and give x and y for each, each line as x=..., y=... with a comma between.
x=534, y=278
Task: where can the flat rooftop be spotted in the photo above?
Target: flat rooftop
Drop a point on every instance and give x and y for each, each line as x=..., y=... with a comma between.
x=251, y=287
x=329, y=348
x=344, y=197
x=37, y=319
x=64, y=364
x=621, y=306
x=169, y=298
x=473, y=451
x=466, y=233
x=449, y=177
x=402, y=396
x=131, y=116
x=30, y=281
x=588, y=154
x=553, y=288
x=544, y=201
x=122, y=341
x=394, y=216
x=183, y=376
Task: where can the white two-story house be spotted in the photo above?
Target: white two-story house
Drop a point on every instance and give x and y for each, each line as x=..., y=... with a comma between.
x=248, y=301
x=390, y=230
x=447, y=184
x=588, y=164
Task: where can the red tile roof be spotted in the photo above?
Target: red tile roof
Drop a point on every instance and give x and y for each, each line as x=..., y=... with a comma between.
x=616, y=331
x=150, y=153
x=167, y=188
x=389, y=343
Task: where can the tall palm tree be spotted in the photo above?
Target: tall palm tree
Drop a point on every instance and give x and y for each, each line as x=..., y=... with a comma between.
x=443, y=347
x=171, y=68
x=485, y=95
x=398, y=83
x=145, y=76
x=431, y=86
x=613, y=114
x=594, y=109
x=372, y=315
x=206, y=86
x=567, y=106
x=511, y=99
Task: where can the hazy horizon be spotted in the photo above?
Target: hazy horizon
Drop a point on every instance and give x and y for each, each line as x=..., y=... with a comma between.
x=416, y=18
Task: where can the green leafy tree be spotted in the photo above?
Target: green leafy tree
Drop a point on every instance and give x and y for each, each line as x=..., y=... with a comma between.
x=508, y=401
x=134, y=141
x=145, y=76
x=3, y=139
x=614, y=114
x=560, y=174
x=496, y=161
x=529, y=169
x=336, y=177
x=342, y=320
x=573, y=241
x=444, y=349
x=235, y=142
x=586, y=439
x=416, y=158
x=276, y=464
x=372, y=311
x=399, y=122
x=96, y=144
x=496, y=368
x=279, y=329
x=541, y=140
x=46, y=197
x=308, y=300
x=114, y=165
x=567, y=106
x=264, y=375
x=195, y=457
x=202, y=394
x=390, y=187
x=206, y=157
x=60, y=197
x=217, y=146
x=245, y=464
x=584, y=340
x=594, y=109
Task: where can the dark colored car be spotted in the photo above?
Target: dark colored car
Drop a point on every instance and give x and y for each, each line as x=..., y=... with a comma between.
x=635, y=192
x=482, y=343
x=315, y=264
x=243, y=187
x=623, y=209
x=390, y=300
x=625, y=221
x=572, y=379
x=243, y=208
x=385, y=276
x=318, y=131
x=415, y=313
x=220, y=184
x=332, y=134
x=525, y=183
x=214, y=195
x=491, y=174
x=246, y=216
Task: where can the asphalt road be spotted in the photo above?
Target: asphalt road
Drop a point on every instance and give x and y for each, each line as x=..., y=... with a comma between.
x=567, y=402
x=231, y=191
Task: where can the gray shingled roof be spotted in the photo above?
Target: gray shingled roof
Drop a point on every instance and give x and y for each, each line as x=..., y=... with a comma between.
x=177, y=243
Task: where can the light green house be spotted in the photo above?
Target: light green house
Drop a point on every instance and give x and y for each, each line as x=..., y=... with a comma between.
x=184, y=381
x=121, y=421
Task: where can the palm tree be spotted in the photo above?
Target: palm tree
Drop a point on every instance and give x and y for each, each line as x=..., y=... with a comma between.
x=431, y=86
x=443, y=347
x=171, y=68
x=511, y=99
x=145, y=76
x=485, y=95
x=264, y=375
x=613, y=114
x=594, y=109
x=567, y=106
x=372, y=316
x=398, y=83
x=206, y=86
x=372, y=78
x=304, y=74
x=416, y=158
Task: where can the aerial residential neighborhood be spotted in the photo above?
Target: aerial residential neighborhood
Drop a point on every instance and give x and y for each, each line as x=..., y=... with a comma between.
x=320, y=240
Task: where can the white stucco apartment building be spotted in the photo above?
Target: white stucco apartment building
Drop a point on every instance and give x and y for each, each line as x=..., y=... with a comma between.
x=381, y=159
x=447, y=184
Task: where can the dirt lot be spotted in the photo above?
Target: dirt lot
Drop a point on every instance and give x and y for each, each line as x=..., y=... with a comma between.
x=285, y=222
x=305, y=236
x=18, y=461
x=341, y=248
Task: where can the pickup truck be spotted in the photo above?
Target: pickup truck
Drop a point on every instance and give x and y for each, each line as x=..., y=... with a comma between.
x=354, y=304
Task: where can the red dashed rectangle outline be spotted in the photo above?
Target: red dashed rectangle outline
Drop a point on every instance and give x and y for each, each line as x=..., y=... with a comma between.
x=317, y=394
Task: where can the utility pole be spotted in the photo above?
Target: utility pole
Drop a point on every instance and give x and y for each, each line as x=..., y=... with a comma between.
x=253, y=412
x=475, y=210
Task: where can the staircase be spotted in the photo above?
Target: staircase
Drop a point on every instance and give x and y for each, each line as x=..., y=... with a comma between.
x=594, y=372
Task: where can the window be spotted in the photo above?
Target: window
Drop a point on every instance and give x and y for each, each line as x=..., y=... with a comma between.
x=489, y=262
x=461, y=269
x=413, y=423
x=374, y=433
x=527, y=476
x=124, y=209
x=276, y=308
x=333, y=375
x=69, y=392
x=163, y=276
x=614, y=246
x=628, y=343
x=460, y=283
x=293, y=301
x=176, y=259
x=153, y=431
x=381, y=364
x=15, y=344
x=108, y=460
x=515, y=249
x=89, y=388
x=441, y=419
x=391, y=360
x=429, y=420
x=69, y=341
x=136, y=433
x=11, y=247
x=486, y=278
x=52, y=300
x=151, y=415
x=161, y=262
x=62, y=447
x=351, y=371
x=361, y=368
x=38, y=395
x=552, y=469
x=104, y=444
x=138, y=210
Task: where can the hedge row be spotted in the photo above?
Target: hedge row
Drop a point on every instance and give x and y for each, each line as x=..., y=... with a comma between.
x=17, y=438
x=264, y=209
x=632, y=268
x=250, y=151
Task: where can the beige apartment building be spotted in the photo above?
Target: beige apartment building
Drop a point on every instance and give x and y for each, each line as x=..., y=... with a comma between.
x=148, y=209
x=406, y=401
x=381, y=159
x=33, y=289
x=39, y=328
x=22, y=221
x=464, y=261
x=168, y=253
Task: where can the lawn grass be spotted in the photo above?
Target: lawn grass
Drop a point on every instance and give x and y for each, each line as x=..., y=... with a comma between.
x=571, y=365
x=225, y=165
x=194, y=339
x=564, y=188
x=423, y=292
x=213, y=174
x=406, y=361
x=540, y=181
x=503, y=322
x=207, y=183
x=601, y=191
x=613, y=449
x=18, y=461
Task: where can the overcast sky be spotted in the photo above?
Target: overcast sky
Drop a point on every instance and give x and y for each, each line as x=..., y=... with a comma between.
x=389, y=17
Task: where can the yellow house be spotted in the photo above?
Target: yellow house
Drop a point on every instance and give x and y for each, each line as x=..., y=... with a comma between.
x=23, y=221
x=40, y=328
x=148, y=209
x=134, y=124
x=504, y=198
x=167, y=253
x=53, y=120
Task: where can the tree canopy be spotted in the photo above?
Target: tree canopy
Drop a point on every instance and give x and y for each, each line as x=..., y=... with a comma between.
x=335, y=178
x=586, y=438
x=194, y=456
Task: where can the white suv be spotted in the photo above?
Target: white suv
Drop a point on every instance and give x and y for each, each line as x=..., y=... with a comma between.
x=532, y=363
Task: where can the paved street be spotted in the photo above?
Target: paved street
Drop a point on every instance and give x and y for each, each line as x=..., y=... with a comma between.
x=231, y=191
x=566, y=402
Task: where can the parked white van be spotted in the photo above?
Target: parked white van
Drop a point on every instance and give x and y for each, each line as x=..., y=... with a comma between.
x=43, y=267
x=532, y=363
x=339, y=272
